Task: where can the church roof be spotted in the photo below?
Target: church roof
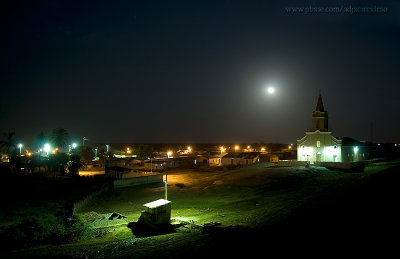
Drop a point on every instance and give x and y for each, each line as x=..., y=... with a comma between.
x=320, y=105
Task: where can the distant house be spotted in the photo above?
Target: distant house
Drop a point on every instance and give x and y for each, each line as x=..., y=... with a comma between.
x=4, y=158
x=240, y=158
x=162, y=164
x=268, y=157
x=212, y=160
x=354, y=150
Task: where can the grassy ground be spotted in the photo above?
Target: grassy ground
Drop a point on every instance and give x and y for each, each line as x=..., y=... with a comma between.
x=38, y=210
x=245, y=201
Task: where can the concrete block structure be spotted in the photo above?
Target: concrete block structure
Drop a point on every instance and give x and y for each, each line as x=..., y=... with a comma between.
x=156, y=214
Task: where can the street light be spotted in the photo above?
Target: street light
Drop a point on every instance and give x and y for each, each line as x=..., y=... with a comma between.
x=20, y=146
x=46, y=148
x=169, y=153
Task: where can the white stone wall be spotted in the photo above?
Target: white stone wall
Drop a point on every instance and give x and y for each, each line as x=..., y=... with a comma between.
x=319, y=146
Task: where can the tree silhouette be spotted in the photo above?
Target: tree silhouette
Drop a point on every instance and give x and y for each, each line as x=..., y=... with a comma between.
x=9, y=143
x=41, y=139
x=74, y=164
x=58, y=162
x=87, y=154
x=60, y=138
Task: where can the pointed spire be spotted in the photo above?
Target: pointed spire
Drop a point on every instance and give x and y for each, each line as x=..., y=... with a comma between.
x=320, y=105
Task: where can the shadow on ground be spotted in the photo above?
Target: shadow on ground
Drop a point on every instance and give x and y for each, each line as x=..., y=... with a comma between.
x=141, y=230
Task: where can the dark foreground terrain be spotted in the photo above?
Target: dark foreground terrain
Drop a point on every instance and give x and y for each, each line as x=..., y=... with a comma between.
x=361, y=221
x=339, y=220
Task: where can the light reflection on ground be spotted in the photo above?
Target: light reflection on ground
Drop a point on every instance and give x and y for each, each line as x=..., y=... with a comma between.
x=90, y=173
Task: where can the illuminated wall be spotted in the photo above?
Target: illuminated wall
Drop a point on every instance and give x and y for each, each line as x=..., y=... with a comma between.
x=319, y=146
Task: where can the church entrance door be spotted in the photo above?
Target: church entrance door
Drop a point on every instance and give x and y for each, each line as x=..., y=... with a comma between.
x=318, y=155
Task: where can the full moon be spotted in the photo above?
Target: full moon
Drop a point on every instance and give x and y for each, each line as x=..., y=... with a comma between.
x=271, y=90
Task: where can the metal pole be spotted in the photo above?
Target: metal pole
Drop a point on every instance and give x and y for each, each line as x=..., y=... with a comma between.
x=166, y=185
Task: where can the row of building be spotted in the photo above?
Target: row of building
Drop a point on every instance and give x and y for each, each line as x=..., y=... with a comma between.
x=229, y=159
x=318, y=145
x=195, y=161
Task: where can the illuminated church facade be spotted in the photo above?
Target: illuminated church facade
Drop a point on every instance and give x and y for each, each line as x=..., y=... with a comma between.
x=318, y=145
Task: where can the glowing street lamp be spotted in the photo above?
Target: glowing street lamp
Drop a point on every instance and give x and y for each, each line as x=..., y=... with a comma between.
x=189, y=149
x=169, y=153
x=73, y=146
x=236, y=148
x=20, y=147
x=128, y=150
x=46, y=148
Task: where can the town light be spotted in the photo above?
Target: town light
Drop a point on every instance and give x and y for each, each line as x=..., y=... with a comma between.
x=189, y=149
x=20, y=147
x=169, y=153
x=236, y=148
x=355, y=150
x=263, y=149
x=74, y=145
x=128, y=150
x=46, y=148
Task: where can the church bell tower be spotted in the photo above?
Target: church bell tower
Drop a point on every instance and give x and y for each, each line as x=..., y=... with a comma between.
x=320, y=117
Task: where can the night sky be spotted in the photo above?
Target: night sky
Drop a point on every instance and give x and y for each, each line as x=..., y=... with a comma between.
x=197, y=71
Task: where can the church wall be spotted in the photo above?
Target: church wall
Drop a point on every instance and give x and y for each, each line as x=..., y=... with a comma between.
x=329, y=149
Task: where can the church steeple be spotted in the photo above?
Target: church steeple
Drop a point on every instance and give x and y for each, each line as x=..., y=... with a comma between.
x=320, y=105
x=320, y=117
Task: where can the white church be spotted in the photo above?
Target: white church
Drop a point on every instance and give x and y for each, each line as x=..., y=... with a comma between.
x=318, y=145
